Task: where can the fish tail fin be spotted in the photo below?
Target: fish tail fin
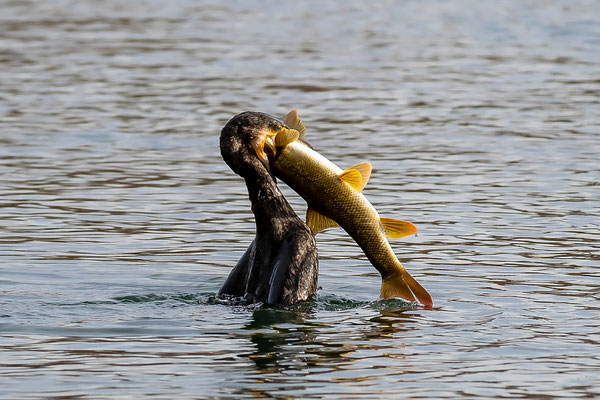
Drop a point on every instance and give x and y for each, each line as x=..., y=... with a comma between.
x=405, y=286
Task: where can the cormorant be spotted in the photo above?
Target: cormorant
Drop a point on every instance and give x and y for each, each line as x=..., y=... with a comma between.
x=281, y=266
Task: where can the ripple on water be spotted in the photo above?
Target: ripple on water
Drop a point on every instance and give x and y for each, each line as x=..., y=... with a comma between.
x=119, y=221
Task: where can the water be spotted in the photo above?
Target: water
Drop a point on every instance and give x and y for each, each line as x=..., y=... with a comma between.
x=119, y=220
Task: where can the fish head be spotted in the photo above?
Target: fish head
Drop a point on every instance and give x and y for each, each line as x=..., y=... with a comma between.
x=249, y=134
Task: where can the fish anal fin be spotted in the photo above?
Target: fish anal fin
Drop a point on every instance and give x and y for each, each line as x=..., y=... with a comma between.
x=396, y=228
x=353, y=178
x=285, y=137
x=365, y=172
x=292, y=121
x=318, y=222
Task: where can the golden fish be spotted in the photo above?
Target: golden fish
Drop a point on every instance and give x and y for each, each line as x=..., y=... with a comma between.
x=334, y=198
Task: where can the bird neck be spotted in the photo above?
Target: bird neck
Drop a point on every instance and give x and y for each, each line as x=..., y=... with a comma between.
x=269, y=206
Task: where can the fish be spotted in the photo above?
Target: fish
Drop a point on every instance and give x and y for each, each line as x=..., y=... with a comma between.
x=334, y=198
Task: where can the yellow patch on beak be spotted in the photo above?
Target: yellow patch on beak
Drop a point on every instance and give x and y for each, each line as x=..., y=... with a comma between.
x=260, y=143
x=269, y=147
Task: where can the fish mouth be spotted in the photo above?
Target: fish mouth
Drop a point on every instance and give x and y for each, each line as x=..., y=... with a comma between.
x=266, y=147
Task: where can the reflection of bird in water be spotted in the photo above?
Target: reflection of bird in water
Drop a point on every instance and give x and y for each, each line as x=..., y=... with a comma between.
x=281, y=265
x=333, y=346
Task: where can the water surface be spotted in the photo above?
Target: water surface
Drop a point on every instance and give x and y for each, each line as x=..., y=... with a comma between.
x=119, y=220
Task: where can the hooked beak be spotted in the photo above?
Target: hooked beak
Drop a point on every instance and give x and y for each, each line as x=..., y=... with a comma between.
x=264, y=140
x=269, y=142
x=269, y=147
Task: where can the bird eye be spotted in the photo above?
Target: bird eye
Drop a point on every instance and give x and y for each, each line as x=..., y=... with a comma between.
x=277, y=128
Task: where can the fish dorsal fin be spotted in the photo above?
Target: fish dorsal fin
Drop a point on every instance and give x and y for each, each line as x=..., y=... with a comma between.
x=318, y=222
x=353, y=178
x=365, y=172
x=292, y=121
x=395, y=228
x=285, y=137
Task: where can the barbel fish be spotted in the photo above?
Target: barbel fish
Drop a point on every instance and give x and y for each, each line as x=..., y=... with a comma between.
x=334, y=198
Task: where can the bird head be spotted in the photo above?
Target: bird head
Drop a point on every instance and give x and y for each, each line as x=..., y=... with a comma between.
x=244, y=140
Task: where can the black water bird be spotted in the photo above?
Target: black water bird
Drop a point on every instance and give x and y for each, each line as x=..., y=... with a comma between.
x=281, y=265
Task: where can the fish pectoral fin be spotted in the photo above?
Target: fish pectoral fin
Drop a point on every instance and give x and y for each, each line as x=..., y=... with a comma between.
x=292, y=121
x=365, y=172
x=318, y=222
x=395, y=228
x=285, y=137
x=353, y=178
